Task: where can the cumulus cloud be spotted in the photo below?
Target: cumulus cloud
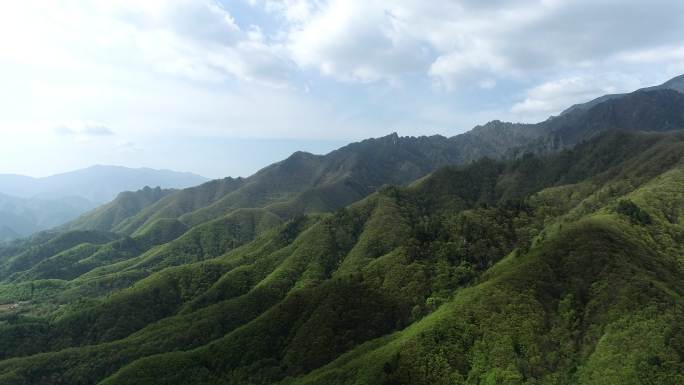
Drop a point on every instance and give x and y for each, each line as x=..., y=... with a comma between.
x=193, y=39
x=85, y=129
x=127, y=147
x=358, y=41
x=342, y=69
x=552, y=97
x=291, y=10
x=201, y=40
x=453, y=42
x=467, y=41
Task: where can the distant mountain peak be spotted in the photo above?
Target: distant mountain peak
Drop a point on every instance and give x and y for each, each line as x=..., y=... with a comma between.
x=301, y=154
x=392, y=138
x=97, y=183
x=676, y=83
x=492, y=124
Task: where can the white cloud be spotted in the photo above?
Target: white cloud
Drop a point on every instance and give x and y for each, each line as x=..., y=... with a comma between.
x=669, y=58
x=453, y=42
x=468, y=42
x=141, y=68
x=291, y=10
x=200, y=39
x=340, y=69
x=457, y=67
x=126, y=147
x=85, y=129
x=552, y=97
x=195, y=39
x=356, y=41
x=487, y=84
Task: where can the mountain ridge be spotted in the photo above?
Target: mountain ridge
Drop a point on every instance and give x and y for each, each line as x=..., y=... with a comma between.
x=544, y=254
x=334, y=180
x=676, y=84
x=437, y=271
x=29, y=205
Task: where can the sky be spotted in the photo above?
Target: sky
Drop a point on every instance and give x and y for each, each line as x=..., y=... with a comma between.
x=223, y=88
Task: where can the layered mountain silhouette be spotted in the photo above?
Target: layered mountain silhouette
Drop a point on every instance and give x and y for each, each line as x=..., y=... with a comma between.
x=28, y=205
x=98, y=184
x=305, y=183
x=546, y=253
x=21, y=217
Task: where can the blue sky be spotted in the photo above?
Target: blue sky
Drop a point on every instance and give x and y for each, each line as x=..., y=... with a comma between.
x=226, y=87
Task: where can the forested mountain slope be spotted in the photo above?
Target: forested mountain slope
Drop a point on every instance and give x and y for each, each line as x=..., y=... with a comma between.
x=301, y=183
x=307, y=183
x=557, y=269
x=125, y=205
x=512, y=254
x=29, y=205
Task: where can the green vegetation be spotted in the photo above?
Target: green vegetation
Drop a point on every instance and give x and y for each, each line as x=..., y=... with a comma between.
x=126, y=204
x=560, y=269
x=391, y=261
x=633, y=212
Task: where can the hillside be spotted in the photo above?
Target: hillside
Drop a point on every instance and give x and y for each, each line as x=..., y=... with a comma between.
x=557, y=269
x=518, y=254
x=125, y=205
x=445, y=192
x=654, y=109
x=29, y=205
x=304, y=182
x=21, y=217
x=307, y=183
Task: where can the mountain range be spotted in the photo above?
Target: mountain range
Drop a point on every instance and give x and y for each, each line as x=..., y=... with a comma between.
x=21, y=217
x=28, y=205
x=546, y=253
x=306, y=183
x=98, y=184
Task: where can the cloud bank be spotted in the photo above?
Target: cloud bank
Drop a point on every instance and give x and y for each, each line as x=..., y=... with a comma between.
x=316, y=69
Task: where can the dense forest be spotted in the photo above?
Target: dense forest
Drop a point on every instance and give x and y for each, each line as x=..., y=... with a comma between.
x=554, y=258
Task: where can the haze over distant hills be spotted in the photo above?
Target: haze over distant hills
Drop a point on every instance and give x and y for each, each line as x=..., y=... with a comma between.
x=31, y=204
x=98, y=184
x=20, y=217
